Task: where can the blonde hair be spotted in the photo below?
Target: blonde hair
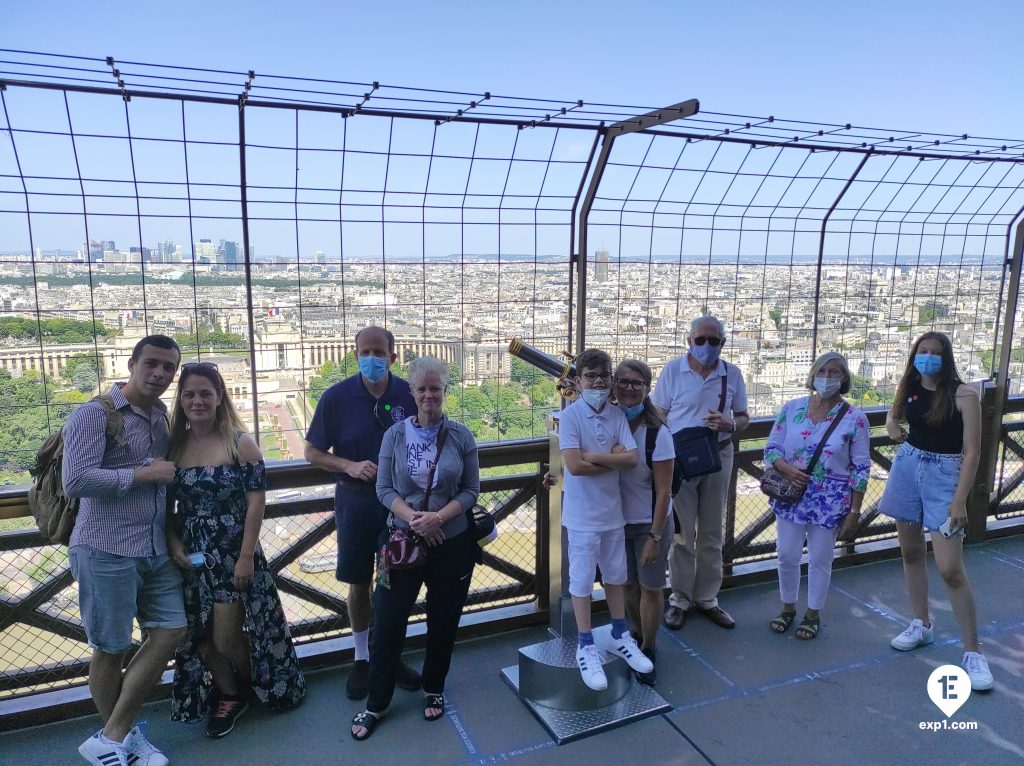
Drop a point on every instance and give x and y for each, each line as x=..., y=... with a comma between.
x=227, y=423
x=821, y=361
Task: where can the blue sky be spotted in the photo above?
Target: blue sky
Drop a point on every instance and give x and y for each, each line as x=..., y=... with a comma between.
x=908, y=66
x=937, y=66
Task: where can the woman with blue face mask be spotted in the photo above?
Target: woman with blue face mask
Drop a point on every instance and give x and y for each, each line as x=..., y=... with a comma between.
x=646, y=492
x=928, y=487
x=835, y=486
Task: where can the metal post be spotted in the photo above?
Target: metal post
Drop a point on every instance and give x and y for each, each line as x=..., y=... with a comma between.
x=994, y=400
x=243, y=183
x=658, y=117
x=821, y=249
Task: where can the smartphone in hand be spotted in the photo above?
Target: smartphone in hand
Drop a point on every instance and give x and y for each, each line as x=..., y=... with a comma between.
x=946, y=529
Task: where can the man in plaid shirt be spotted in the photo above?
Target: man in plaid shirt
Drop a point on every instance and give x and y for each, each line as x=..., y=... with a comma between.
x=118, y=550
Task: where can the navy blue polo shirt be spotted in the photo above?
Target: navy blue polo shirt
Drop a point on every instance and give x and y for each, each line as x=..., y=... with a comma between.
x=344, y=422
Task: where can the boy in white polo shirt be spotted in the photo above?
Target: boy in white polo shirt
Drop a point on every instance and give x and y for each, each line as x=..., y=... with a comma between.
x=596, y=443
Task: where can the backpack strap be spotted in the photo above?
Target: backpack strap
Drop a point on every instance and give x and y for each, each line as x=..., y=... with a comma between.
x=115, y=420
x=725, y=385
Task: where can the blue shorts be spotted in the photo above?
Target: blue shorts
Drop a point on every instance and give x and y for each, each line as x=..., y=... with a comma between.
x=921, y=486
x=114, y=590
x=360, y=519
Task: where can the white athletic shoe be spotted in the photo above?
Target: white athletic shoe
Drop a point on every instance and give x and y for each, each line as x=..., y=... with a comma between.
x=142, y=752
x=914, y=636
x=99, y=753
x=977, y=670
x=627, y=649
x=589, y=661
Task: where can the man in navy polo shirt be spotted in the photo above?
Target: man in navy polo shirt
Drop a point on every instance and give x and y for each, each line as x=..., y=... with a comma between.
x=344, y=438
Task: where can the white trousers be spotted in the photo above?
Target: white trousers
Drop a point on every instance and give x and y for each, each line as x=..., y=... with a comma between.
x=821, y=546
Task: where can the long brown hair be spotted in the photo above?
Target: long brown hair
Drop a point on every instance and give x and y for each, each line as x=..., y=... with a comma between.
x=227, y=422
x=947, y=382
x=651, y=418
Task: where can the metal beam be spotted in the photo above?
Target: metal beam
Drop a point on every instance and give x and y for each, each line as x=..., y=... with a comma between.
x=657, y=117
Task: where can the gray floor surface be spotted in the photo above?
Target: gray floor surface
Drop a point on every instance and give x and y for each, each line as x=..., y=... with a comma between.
x=744, y=696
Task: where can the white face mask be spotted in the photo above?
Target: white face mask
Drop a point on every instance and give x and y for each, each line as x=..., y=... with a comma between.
x=827, y=386
x=595, y=397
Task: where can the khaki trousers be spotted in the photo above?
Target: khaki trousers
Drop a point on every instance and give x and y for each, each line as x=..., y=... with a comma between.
x=695, y=561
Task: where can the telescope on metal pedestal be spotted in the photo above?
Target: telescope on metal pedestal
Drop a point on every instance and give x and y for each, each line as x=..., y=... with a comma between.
x=562, y=372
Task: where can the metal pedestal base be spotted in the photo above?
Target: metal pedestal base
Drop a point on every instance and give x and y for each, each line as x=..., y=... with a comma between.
x=549, y=684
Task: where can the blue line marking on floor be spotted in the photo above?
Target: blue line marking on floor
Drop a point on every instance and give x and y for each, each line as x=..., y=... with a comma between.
x=453, y=716
x=689, y=650
x=871, y=607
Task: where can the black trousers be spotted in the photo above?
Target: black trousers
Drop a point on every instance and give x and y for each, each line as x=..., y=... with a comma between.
x=447, y=575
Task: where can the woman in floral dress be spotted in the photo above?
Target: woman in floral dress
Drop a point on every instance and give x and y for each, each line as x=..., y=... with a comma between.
x=830, y=506
x=238, y=635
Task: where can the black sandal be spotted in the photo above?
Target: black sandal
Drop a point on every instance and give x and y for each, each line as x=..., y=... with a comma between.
x=809, y=626
x=780, y=623
x=368, y=721
x=430, y=702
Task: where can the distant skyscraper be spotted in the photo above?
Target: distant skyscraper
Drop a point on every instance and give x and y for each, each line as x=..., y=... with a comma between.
x=601, y=272
x=165, y=251
x=230, y=253
x=203, y=251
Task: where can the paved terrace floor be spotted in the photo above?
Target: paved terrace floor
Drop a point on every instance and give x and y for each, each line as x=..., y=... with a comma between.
x=745, y=696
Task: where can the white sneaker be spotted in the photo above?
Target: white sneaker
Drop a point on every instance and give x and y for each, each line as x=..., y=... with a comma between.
x=977, y=669
x=589, y=661
x=142, y=752
x=914, y=636
x=99, y=753
x=627, y=649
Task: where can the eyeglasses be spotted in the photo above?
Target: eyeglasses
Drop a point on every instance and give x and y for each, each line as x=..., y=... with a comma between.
x=625, y=384
x=712, y=341
x=592, y=376
x=193, y=366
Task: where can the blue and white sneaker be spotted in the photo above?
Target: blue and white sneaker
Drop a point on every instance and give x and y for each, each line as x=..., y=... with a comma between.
x=99, y=753
x=627, y=649
x=589, y=661
x=142, y=752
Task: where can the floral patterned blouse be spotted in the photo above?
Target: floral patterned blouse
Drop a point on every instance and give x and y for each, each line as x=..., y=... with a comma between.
x=844, y=465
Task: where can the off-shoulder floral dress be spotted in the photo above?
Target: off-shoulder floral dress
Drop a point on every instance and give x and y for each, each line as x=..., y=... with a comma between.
x=212, y=505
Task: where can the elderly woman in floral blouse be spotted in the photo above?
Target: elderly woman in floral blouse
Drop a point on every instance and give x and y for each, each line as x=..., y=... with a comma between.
x=830, y=506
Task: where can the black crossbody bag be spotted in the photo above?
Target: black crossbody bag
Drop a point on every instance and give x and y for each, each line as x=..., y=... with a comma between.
x=697, y=449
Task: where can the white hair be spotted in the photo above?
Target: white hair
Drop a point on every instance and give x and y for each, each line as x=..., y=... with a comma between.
x=707, y=320
x=424, y=365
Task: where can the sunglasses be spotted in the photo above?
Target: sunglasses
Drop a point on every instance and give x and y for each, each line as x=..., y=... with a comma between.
x=193, y=366
x=625, y=384
x=700, y=340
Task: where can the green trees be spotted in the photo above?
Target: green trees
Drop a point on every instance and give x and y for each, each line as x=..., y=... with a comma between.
x=25, y=418
x=51, y=330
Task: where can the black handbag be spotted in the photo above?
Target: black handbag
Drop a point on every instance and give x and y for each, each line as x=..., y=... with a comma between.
x=697, y=449
x=780, y=488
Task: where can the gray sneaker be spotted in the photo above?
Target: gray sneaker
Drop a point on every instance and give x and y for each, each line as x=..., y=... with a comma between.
x=977, y=670
x=914, y=636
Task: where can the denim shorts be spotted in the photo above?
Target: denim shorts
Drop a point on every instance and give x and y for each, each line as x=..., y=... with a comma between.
x=114, y=590
x=650, y=576
x=921, y=486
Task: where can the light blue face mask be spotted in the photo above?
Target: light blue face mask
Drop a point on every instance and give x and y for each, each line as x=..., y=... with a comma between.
x=706, y=354
x=632, y=413
x=373, y=368
x=595, y=397
x=928, y=364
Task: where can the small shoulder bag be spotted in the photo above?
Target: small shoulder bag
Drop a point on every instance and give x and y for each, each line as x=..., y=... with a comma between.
x=405, y=549
x=780, y=488
x=698, y=452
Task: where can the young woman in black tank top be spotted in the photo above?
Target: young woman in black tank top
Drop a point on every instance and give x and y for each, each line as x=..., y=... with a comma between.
x=929, y=485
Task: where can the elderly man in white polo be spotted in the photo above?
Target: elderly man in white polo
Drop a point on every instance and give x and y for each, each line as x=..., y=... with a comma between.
x=701, y=397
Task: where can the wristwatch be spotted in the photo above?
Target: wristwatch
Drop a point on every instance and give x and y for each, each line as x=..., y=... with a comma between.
x=656, y=538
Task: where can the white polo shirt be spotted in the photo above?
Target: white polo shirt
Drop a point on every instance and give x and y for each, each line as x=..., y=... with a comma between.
x=593, y=503
x=636, y=485
x=687, y=396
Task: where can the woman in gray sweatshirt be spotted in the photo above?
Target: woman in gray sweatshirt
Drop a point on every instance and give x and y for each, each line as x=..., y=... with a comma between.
x=424, y=446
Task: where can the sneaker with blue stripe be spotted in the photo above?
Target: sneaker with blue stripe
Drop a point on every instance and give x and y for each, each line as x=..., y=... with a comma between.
x=99, y=753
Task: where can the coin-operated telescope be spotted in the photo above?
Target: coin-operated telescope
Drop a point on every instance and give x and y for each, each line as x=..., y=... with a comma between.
x=562, y=372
